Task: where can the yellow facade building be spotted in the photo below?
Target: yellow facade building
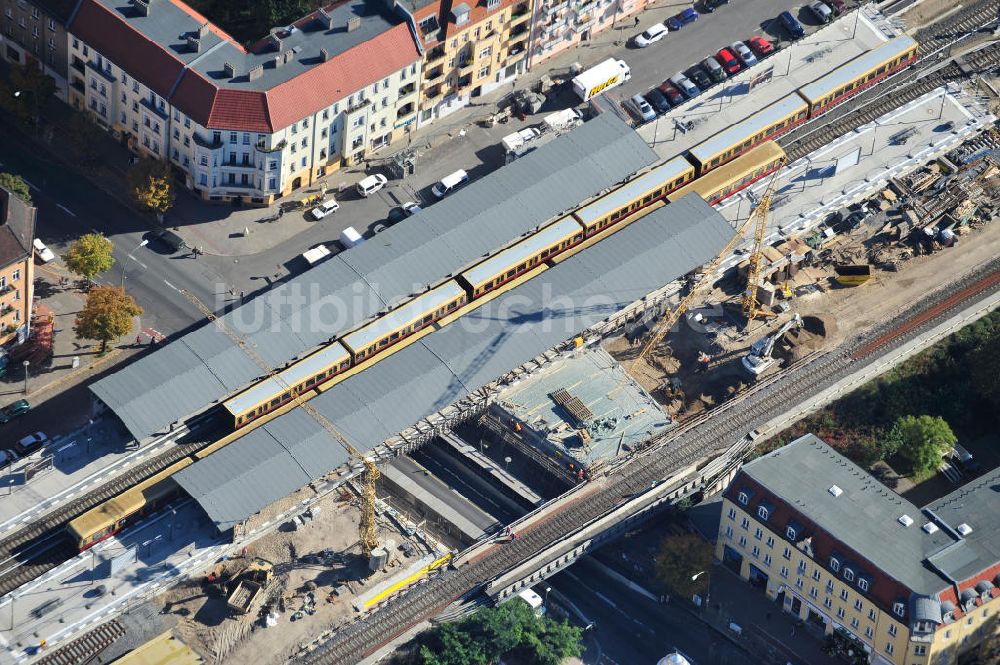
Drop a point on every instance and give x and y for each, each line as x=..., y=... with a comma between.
x=17, y=267
x=834, y=546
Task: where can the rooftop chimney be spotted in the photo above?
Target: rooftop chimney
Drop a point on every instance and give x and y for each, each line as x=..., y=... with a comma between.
x=288, y=56
x=324, y=55
x=325, y=18
x=230, y=70
x=194, y=43
x=141, y=6
x=255, y=72
x=275, y=38
x=353, y=23
x=203, y=30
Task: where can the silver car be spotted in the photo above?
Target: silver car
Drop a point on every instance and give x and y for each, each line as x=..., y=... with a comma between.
x=743, y=52
x=642, y=109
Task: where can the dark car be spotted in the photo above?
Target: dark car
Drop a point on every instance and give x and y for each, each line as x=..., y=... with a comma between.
x=792, y=25
x=678, y=21
x=700, y=78
x=658, y=101
x=728, y=61
x=397, y=214
x=709, y=6
x=11, y=411
x=671, y=92
x=167, y=238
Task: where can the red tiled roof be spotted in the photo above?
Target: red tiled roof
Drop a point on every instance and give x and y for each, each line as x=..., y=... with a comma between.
x=988, y=575
x=341, y=75
x=884, y=589
x=146, y=61
x=221, y=108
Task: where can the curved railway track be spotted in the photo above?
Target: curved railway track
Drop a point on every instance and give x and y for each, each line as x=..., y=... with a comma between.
x=40, y=546
x=352, y=642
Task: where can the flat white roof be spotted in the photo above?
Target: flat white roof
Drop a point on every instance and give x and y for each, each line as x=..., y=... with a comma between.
x=567, y=226
x=333, y=353
x=614, y=200
x=409, y=311
x=794, y=66
x=825, y=181
x=856, y=67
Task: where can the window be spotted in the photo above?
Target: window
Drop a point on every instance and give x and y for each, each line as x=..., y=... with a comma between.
x=871, y=613
x=920, y=650
x=743, y=498
x=784, y=572
x=855, y=623
x=790, y=532
x=863, y=584
x=767, y=559
x=758, y=534
x=202, y=179
x=812, y=592
x=787, y=554
x=848, y=574
x=232, y=137
x=968, y=622
x=52, y=24
x=802, y=568
x=858, y=605
x=843, y=594
x=770, y=541
x=898, y=609
x=827, y=603
x=892, y=629
x=762, y=512
x=888, y=648
x=16, y=275
x=246, y=138
x=303, y=162
x=203, y=160
x=743, y=541
x=755, y=551
x=869, y=633
x=305, y=124
x=732, y=514
x=829, y=586
x=798, y=583
x=840, y=613
x=834, y=564
x=272, y=183
x=486, y=52
x=745, y=523
x=816, y=575
x=729, y=532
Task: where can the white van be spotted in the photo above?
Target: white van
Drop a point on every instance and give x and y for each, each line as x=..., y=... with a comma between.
x=449, y=183
x=350, y=237
x=316, y=254
x=371, y=184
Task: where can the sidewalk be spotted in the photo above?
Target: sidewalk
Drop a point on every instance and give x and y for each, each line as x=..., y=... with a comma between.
x=219, y=229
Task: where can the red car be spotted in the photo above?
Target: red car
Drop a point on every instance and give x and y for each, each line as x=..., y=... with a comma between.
x=760, y=45
x=838, y=6
x=728, y=61
x=671, y=92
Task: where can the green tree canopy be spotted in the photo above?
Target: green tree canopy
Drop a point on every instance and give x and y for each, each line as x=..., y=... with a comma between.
x=16, y=185
x=89, y=255
x=106, y=316
x=983, y=364
x=681, y=558
x=26, y=91
x=923, y=441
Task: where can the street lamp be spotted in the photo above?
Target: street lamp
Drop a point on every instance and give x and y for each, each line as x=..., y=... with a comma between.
x=128, y=258
x=26, y=363
x=708, y=591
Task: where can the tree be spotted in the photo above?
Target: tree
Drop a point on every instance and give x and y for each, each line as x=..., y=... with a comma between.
x=26, y=91
x=150, y=186
x=923, y=441
x=554, y=642
x=89, y=255
x=983, y=364
x=15, y=184
x=85, y=137
x=106, y=316
x=681, y=558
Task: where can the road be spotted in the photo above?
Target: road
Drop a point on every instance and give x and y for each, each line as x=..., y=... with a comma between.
x=632, y=629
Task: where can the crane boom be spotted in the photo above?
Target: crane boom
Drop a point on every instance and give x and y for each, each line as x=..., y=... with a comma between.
x=366, y=528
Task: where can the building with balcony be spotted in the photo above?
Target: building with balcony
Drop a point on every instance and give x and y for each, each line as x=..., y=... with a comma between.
x=559, y=24
x=469, y=48
x=831, y=544
x=35, y=31
x=17, y=265
x=245, y=124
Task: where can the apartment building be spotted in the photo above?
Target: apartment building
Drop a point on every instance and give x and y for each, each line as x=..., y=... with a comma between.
x=845, y=554
x=35, y=30
x=469, y=48
x=559, y=24
x=247, y=125
x=17, y=265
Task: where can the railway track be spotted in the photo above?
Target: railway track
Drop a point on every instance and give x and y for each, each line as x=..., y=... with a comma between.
x=40, y=546
x=352, y=642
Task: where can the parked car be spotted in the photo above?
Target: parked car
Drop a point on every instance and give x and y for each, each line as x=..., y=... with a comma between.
x=395, y=215
x=741, y=51
x=761, y=46
x=683, y=83
x=640, y=108
x=821, y=11
x=678, y=21
x=30, y=443
x=700, y=78
x=324, y=209
x=792, y=25
x=411, y=208
x=651, y=35
x=449, y=183
x=728, y=61
x=709, y=6
x=372, y=184
x=42, y=252
x=658, y=101
x=168, y=238
x=11, y=411
x=7, y=457
x=670, y=91
x=838, y=6
x=714, y=69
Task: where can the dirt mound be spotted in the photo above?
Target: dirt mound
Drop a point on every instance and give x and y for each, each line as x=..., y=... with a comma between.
x=822, y=325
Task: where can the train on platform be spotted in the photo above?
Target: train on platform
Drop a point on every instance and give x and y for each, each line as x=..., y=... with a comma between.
x=715, y=169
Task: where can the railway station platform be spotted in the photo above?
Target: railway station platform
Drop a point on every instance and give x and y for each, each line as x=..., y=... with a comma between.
x=858, y=165
x=753, y=89
x=487, y=468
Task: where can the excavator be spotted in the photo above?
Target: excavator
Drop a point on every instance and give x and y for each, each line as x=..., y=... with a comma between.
x=759, y=360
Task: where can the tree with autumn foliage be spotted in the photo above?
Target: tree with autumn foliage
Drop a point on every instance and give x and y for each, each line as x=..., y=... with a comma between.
x=150, y=186
x=89, y=255
x=683, y=564
x=106, y=316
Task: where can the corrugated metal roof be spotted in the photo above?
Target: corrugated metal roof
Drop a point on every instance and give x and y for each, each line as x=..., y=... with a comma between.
x=176, y=382
x=611, y=202
x=552, y=234
x=738, y=133
x=855, y=68
x=447, y=364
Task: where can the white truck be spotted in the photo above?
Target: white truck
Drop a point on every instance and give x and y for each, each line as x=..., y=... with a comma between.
x=350, y=237
x=608, y=74
x=561, y=121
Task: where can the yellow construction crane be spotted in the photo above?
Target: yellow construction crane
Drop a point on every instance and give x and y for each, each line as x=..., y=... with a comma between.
x=371, y=474
x=758, y=216
x=751, y=305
